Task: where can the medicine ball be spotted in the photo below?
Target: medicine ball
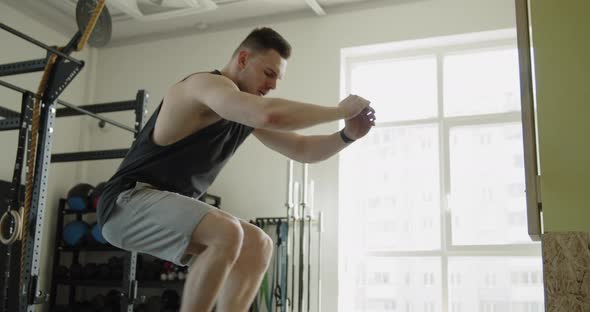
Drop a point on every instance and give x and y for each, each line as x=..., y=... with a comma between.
x=79, y=196
x=95, y=195
x=76, y=233
x=96, y=233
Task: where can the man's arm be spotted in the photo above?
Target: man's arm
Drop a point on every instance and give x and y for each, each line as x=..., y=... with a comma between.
x=315, y=148
x=304, y=149
x=223, y=96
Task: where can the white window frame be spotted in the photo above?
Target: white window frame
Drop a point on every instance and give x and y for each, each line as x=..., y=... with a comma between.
x=439, y=47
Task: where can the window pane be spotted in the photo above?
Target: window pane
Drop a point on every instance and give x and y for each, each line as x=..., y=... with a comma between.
x=396, y=284
x=481, y=83
x=512, y=284
x=487, y=199
x=401, y=89
x=390, y=189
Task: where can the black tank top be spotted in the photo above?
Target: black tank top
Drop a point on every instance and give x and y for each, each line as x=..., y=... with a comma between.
x=187, y=167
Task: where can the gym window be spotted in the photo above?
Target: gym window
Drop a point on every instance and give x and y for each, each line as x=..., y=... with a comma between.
x=432, y=213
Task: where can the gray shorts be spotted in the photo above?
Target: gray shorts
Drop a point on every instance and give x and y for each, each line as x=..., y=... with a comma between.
x=155, y=222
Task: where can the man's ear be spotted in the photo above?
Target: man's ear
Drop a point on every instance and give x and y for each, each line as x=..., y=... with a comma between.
x=243, y=56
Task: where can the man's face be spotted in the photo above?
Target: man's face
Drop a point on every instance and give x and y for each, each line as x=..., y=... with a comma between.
x=259, y=72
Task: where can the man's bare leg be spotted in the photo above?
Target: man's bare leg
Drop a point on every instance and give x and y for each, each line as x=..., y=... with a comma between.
x=243, y=282
x=218, y=241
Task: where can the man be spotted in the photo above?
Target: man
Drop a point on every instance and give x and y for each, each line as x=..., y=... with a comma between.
x=150, y=204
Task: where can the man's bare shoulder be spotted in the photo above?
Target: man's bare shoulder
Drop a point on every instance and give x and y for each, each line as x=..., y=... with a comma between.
x=186, y=93
x=205, y=80
x=198, y=91
x=182, y=113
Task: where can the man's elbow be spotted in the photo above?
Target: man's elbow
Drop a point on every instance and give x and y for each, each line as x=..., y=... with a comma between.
x=310, y=159
x=308, y=156
x=317, y=159
x=274, y=120
x=254, y=119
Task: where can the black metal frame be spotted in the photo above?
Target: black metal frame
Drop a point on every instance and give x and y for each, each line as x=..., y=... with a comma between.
x=98, y=108
x=129, y=284
x=130, y=263
x=70, y=110
x=63, y=72
x=92, y=155
x=8, y=113
x=30, y=293
x=45, y=46
x=9, y=294
x=22, y=67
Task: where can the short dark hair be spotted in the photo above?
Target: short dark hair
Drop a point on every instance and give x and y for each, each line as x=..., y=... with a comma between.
x=264, y=39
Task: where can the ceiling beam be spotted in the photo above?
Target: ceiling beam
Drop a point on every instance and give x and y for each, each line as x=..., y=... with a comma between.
x=249, y=22
x=315, y=6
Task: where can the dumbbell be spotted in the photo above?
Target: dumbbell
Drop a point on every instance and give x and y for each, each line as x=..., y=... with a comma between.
x=113, y=300
x=84, y=306
x=116, y=267
x=170, y=300
x=152, y=270
x=166, y=271
x=89, y=271
x=182, y=273
x=154, y=304
x=104, y=272
x=62, y=272
x=76, y=271
x=98, y=302
x=142, y=307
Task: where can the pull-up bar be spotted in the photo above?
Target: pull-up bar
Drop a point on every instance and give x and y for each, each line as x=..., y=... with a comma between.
x=39, y=43
x=71, y=106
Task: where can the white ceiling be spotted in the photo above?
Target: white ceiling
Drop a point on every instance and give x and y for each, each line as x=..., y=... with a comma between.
x=60, y=15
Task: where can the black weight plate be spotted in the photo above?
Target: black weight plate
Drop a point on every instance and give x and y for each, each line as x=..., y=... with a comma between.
x=101, y=35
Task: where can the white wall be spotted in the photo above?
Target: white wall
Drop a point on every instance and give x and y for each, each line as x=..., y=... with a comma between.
x=253, y=183
x=67, y=130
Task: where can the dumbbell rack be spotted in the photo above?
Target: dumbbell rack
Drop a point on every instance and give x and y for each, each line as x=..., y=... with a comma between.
x=60, y=248
x=72, y=284
x=128, y=285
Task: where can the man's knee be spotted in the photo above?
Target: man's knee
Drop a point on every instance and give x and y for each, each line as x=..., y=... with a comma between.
x=231, y=235
x=267, y=246
x=221, y=232
x=260, y=247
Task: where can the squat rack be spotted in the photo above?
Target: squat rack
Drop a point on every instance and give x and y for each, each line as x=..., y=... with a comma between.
x=21, y=292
